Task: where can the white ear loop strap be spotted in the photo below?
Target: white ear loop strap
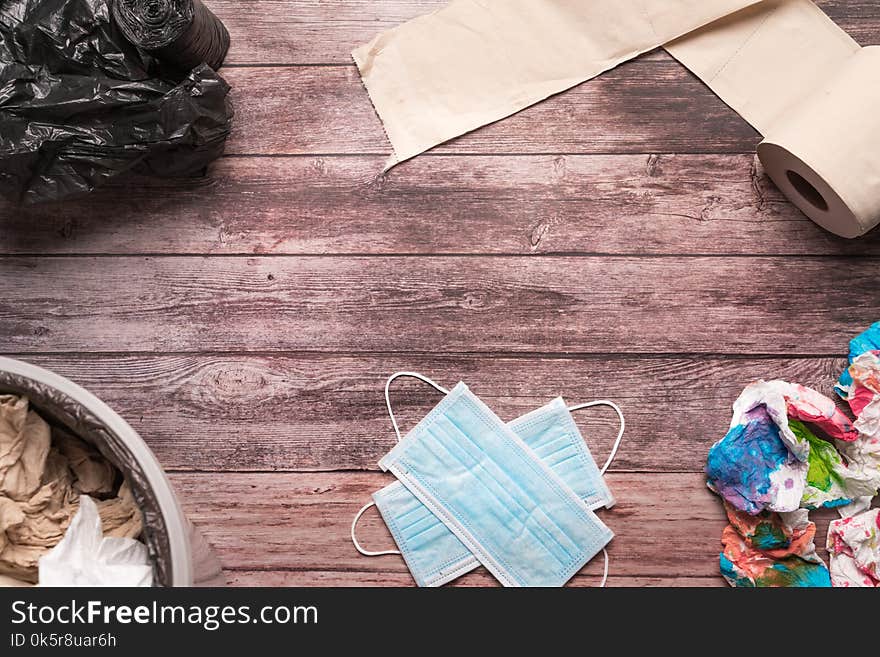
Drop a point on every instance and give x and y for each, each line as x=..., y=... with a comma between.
x=605, y=574
x=357, y=517
x=604, y=402
x=444, y=391
x=412, y=375
x=368, y=553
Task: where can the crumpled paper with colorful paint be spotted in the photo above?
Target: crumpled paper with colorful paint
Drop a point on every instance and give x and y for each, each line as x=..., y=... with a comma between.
x=753, y=469
x=864, y=399
x=771, y=549
x=859, y=385
x=864, y=394
x=832, y=481
x=854, y=540
x=862, y=343
x=770, y=460
x=790, y=449
x=811, y=406
x=854, y=545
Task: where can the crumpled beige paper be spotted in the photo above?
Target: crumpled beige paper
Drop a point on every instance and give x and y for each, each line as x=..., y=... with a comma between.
x=94, y=474
x=43, y=471
x=11, y=582
x=24, y=445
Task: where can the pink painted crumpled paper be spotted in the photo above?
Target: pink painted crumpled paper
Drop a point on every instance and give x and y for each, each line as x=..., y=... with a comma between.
x=854, y=545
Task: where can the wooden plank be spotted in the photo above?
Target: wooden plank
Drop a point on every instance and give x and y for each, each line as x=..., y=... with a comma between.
x=481, y=577
x=665, y=525
x=561, y=305
x=319, y=32
x=633, y=109
x=615, y=204
x=310, y=412
x=308, y=31
x=294, y=529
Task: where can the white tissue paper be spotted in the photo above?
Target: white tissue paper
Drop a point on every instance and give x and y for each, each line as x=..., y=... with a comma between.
x=85, y=558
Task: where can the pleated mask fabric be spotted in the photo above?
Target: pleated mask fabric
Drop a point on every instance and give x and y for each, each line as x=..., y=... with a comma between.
x=552, y=433
x=432, y=552
x=506, y=506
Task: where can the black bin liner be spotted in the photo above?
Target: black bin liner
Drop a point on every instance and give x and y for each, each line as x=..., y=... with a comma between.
x=80, y=105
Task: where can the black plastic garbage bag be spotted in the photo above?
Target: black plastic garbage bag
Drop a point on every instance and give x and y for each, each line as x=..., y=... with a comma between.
x=79, y=105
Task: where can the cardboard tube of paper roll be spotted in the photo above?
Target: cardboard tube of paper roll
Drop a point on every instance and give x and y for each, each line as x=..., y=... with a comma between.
x=825, y=155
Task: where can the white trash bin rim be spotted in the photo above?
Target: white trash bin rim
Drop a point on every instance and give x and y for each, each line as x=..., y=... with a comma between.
x=169, y=544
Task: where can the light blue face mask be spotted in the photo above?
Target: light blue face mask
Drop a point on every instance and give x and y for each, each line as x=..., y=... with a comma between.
x=432, y=552
x=476, y=490
x=553, y=435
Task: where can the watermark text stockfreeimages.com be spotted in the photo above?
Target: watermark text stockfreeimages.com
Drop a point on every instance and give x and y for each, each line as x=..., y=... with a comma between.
x=209, y=617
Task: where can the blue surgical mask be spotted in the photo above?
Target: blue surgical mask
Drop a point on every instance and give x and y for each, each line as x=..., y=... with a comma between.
x=433, y=554
x=552, y=434
x=475, y=491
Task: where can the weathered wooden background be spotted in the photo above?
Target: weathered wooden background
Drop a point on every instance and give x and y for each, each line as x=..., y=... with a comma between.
x=616, y=241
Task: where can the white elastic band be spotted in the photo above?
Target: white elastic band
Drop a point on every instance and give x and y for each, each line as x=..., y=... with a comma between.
x=412, y=375
x=605, y=575
x=605, y=402
x=357, y=517
x=441, y=389
x=368, y=553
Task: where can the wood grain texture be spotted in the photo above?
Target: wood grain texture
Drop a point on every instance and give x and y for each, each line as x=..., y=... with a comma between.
x=614, y=204
x=665, y=524
x=481, y=577
x=318, y=32
x=294, y=528
x=244, y=323
x=321, y=413
x=633, y=109
x=438, y=305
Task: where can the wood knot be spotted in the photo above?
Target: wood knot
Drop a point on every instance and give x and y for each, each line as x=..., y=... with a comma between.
x=235, y=380
x=474, y=301
x=67, y=230
x=560, y=166
x=537, y=233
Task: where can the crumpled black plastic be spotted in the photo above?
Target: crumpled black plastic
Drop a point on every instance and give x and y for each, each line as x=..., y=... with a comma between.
x=79, y=105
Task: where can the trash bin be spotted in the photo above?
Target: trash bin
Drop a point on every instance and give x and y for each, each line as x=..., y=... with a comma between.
x=181, y=556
